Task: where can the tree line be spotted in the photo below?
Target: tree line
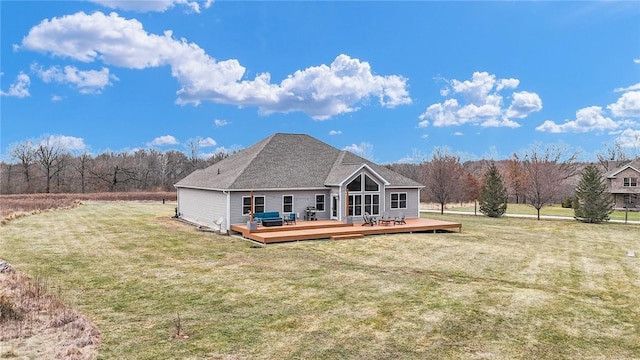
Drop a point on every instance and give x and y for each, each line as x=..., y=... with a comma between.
x=538, y=176
x=47, y=166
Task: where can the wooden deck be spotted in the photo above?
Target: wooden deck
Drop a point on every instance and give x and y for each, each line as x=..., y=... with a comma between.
x=326, y=229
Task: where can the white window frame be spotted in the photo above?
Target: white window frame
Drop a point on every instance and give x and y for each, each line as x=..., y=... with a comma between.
x=371, y=207
x=324, y=202
x=359, y=176
x=355, y=209
x=264, y=204
x=630, y=182
x=284, y=204
x=398, y=201
x=364, y=184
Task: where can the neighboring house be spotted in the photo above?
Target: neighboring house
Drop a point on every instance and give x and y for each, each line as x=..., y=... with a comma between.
x=289, y=173
x=624, y=185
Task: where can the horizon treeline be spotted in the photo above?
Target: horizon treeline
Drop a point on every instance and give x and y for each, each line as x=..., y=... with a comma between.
x=52, y=169
x=539, y=176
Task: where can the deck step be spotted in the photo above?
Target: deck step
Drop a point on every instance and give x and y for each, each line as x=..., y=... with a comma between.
x=346, y=236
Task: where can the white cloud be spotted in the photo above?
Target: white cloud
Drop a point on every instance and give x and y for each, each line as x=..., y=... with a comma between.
x=208, y=142
x=364, y=149
x=222, y=150
x=87, y=82
x=65, y=142
x=628, y=105
x=478, y=102
x=630, y=88
x=637, y=61
x=151, y=5
x=587, y=119
x=507, y=84
x=163, y=141
x=56, y=98
x=19, y=88
x=220, y=122
x=335, y=132
x=523, y=104
x=629, y=138
x=458, y=133
x=320, y=91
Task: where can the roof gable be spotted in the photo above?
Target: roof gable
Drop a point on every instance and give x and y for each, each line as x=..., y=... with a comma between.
x=633, y=165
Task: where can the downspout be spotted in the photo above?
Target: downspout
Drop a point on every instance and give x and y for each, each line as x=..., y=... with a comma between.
x=228, y=210
x=177, y=203
x=419, y=189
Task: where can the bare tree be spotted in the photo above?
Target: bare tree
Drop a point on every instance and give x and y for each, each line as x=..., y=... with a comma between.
x=26, y=154
x=193, y=149
x=471, y=187
x=443, y=175
x=163, y=169
x=516, y=178
x=48, y=154
x=82, y=163
x=113, y=170
x=546, y=170
x=612, y=157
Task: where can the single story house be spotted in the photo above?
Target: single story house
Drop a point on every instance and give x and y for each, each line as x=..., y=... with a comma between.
x=292, y=173
x=624, y=185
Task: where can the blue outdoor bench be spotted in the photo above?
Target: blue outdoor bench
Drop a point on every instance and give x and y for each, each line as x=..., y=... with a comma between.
x=271, y=218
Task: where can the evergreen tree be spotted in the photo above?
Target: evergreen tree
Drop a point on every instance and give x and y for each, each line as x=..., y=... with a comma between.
x=493, y=197
x=593, y=202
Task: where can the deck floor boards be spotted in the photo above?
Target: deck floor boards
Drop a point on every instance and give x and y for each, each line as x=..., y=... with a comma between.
x=325, y=229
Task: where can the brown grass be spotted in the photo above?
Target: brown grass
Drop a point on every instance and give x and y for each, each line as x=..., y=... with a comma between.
x=501, y=289
x=19, y=205
x=36, y=324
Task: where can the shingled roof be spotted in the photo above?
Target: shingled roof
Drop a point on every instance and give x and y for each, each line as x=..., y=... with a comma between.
x=634, y=164
x=287, y=161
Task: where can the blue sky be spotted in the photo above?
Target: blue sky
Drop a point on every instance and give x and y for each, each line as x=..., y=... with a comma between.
x=389, y=80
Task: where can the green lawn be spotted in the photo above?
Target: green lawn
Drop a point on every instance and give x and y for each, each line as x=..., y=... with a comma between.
x=554, y=210
x=502, y=289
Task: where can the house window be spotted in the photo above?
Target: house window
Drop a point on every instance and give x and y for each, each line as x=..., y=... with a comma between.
x=258, y=204
x=370, y=184
x=320, y=202
x=287, y=203
x=630, y=182
x=356, y=184
x=398, y=200
x=355, y=205
x=372, y=204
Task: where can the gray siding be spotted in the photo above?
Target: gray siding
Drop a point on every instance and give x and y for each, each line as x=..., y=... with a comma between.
x=202, y=207
x=413, y=203
x=273, y=202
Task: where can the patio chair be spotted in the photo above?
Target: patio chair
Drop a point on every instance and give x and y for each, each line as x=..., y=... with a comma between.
x=291, y=219
x=368, y=219
x=400, y=219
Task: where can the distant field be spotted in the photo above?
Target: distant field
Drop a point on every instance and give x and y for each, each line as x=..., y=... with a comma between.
x=23, y=204
x=502, y=289
x=555, y=210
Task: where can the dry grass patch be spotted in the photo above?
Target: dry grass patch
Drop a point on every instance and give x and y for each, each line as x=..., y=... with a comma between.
x=35, y=324
x=18, y=205
x=501, y=289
